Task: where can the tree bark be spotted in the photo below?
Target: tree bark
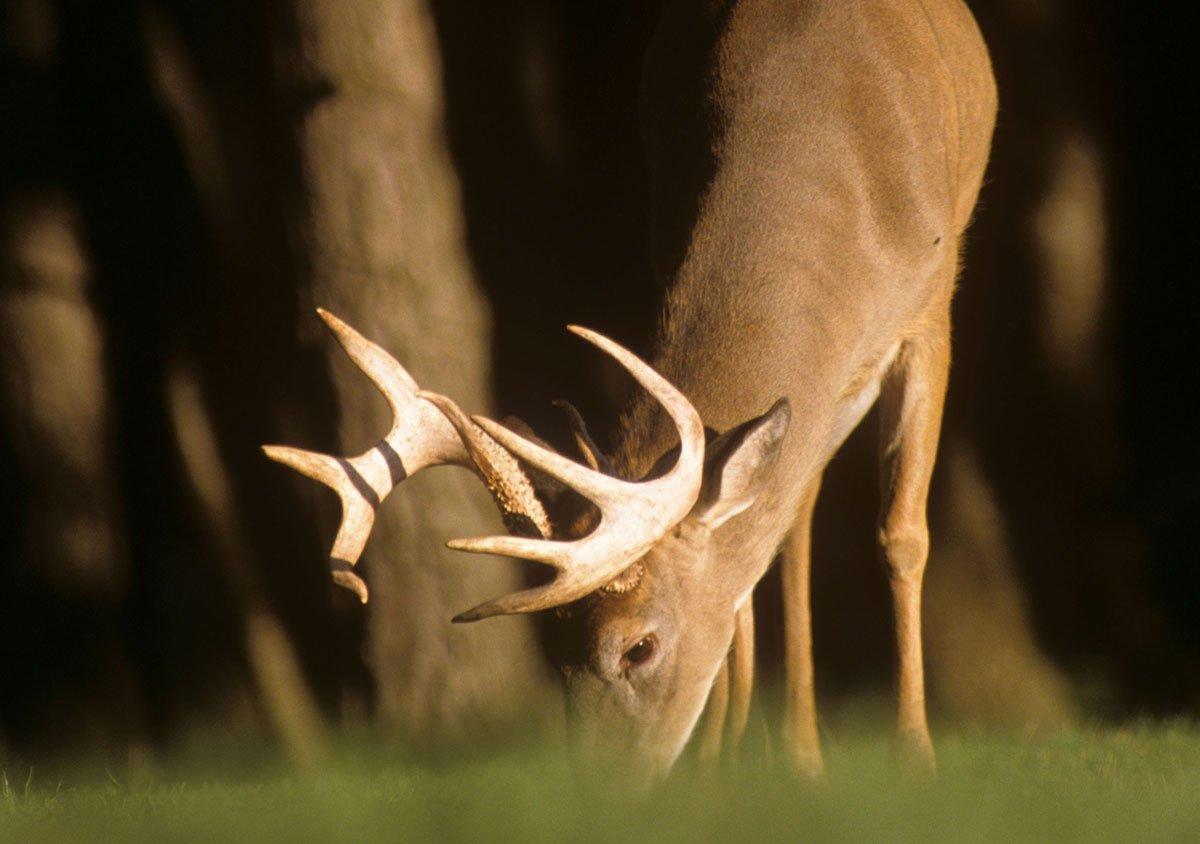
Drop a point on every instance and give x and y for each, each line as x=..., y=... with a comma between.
x=380, y=225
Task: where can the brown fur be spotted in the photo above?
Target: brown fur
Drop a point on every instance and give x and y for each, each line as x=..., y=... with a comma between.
x=815, y=164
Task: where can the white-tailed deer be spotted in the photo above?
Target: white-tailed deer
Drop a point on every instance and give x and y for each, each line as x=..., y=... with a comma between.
x=815, y=165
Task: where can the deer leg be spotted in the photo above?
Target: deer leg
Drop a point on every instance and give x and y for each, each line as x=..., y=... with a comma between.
x=741, y=674
x=800, y=717
x=910, y=404
x=713, y=727
x=730, y=695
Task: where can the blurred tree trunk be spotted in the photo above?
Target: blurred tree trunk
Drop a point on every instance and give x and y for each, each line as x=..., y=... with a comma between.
x=1033, y=409
x=63, y=564
x=66, y=541
x=380, y=226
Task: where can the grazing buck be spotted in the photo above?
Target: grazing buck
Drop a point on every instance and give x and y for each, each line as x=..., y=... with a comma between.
x=815, y=165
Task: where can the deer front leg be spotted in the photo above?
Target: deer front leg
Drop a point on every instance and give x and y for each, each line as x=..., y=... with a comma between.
x=741, y=675
x=803, y=746
x=910, y=403
x=712, y=728
x=728, y=707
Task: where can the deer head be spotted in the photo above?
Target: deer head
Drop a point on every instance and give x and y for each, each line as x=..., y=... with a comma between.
x=644, y=591
x=638, y=656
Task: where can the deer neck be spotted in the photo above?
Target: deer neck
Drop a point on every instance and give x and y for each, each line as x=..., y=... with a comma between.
x=804, y=214
x=734, y=348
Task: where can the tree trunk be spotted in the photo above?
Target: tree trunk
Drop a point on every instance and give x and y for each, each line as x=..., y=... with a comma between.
x=380, y=226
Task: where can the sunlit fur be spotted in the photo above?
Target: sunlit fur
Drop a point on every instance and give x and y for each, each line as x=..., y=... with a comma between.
x=815, y=164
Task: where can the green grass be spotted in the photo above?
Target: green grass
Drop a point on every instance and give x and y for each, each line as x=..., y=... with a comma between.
x=1135, y=784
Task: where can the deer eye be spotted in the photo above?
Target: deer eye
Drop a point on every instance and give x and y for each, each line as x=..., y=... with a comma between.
x=640, y=653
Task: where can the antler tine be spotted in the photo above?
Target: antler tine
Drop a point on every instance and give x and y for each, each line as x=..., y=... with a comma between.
x=385, y=371
x=358, y=516
x=687, y=469
x=520, y=507
x=684, y=477
x=538, y=550
x=319, y=467
x=633, y=515
x=583, y=439
x=545, y=597
x=599, y=488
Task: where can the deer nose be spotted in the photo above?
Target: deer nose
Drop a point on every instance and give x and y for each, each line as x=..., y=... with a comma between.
x=614, y=766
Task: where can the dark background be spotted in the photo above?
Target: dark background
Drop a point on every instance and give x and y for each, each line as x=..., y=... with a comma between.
x=163, y=186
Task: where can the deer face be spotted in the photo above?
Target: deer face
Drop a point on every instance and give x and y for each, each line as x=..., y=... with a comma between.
x=637, y=667
x=638, y=658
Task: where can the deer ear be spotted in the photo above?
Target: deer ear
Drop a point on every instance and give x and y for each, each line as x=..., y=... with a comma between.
x=738, y=464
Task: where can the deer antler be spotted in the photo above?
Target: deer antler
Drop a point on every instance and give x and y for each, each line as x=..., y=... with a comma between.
x=633, y=516
x=430, y=429
x=583, y=439
x=427, y=430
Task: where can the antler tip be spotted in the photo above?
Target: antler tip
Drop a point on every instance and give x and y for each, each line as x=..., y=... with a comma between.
x=487, y=609
x=436, y=399
x=334, y=322
x=320, y=467
x=349, y=580
x=278, y=453
x=329, y=319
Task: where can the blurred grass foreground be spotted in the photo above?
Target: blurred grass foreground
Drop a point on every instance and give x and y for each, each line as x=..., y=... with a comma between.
x=1132, y=784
